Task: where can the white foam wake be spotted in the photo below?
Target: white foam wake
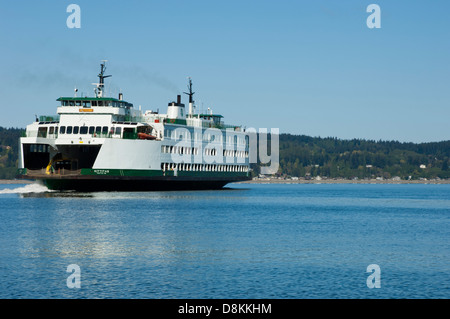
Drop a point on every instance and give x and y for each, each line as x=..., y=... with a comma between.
x=30, y=188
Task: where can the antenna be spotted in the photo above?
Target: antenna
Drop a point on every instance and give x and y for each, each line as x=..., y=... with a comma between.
x=99, y=89
x=191, y=101
x=190, y=91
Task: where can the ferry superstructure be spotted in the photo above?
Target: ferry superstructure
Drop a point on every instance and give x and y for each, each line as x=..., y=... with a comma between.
x=104, y=144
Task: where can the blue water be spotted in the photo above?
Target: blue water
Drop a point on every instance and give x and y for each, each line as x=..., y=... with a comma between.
x=249, y=241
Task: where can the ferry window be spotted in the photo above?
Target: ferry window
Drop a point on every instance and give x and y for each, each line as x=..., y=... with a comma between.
x=105, y=129
x=91, y=129
x=42, y=132
x=51, y=130
x=98, y=129
x=69, y=130
x=86, y=103
x=71, y=103
x=94, y=103
x=100, y=103
x=62, y=130
x=107, y=103
x=65, y=103
x=118, y=130
x=76, y=129
x=83, y=130
x=77, y=103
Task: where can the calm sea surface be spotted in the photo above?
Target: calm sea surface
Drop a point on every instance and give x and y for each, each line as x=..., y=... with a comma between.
x=247, y=241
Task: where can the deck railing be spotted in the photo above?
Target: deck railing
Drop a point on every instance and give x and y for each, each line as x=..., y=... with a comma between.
x=53, y=172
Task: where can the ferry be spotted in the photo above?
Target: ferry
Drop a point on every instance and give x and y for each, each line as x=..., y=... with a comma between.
x=103, y=143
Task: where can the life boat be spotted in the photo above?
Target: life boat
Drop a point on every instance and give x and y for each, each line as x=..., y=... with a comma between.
x=145, y=136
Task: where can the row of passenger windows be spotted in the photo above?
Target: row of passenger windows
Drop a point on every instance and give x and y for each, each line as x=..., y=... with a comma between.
x=88, y=130
x=184, y=134
x=203, y=167
x=194, y=151
x=95, y=103
x=179, y=150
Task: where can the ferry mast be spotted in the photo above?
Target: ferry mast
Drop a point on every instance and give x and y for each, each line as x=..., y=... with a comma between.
x=99, y=89
x=191, y=101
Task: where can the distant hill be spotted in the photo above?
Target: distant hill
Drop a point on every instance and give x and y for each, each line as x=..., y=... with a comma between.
x=305, y=156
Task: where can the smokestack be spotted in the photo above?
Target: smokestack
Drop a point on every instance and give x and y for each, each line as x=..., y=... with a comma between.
x=178, y=99
x=120, y=96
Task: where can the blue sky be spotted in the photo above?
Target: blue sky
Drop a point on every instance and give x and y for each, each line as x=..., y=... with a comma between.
x=305, y=67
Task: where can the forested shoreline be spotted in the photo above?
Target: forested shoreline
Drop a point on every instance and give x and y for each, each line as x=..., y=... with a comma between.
x=330, y=157
x=9, y=147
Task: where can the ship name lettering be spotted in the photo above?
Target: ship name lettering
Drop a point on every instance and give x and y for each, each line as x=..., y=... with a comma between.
x=101, y=171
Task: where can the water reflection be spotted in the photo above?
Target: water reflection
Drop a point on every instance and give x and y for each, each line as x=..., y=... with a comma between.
x=162, y=226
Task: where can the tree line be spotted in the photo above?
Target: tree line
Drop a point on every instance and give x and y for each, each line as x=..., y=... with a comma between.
x=9, y=150
x=305, y=156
